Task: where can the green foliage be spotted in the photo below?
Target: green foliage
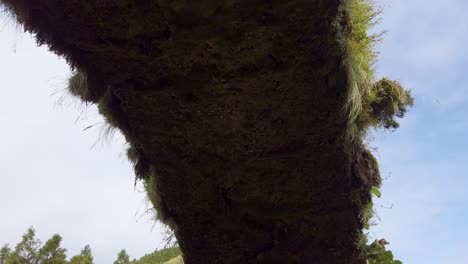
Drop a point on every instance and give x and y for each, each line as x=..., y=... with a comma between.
x=376, y=191
x=26, y=251
x=85, y=257
x=78, y=85
x=122, y=257
x=361, y=54
x=159, y=256
x=4, y=253
x=369, y=103
x=51, y=252
x=364, y=16
x=377, y=253
x=29, y=251
x=386, y=101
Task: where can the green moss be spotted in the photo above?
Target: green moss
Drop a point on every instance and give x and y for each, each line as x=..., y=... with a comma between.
x=160, y=211
x=387, y=100
x=104, y=108
x=78, y=85
x=132, y=154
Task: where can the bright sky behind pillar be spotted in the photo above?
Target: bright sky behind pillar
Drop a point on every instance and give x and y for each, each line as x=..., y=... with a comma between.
x=51, y=176
x=424, y=161
x=52, y=179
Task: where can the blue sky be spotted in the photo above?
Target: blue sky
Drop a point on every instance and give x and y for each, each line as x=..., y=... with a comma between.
x=45, y=154
x=425, y=160
x=50, y=176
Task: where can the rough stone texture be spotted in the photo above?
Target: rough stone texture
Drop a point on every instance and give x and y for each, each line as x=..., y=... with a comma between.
x=233, y=109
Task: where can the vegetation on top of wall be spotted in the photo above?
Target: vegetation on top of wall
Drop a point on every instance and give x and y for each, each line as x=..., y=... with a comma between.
x=370, y=103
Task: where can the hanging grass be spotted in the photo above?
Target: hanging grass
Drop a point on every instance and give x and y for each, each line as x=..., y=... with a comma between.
x=78, y=85
x=369, y=103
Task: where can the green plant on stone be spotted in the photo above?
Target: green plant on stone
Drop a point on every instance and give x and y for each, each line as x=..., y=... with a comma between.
x=375, y=252
x=361, y=54
x=386, y=101
x=78, y=85
x=370, y=103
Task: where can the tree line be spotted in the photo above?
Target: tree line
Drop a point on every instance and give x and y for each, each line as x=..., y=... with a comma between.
x=31, y=251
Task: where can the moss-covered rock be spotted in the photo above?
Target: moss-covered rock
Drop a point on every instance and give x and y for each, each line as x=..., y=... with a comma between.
x=233, y=111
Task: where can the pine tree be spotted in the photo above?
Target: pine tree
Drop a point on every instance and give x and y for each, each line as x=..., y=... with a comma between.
x=26, y=251
x=122, y=257
x=4, y=253
x=51, y=252
x=85, y=257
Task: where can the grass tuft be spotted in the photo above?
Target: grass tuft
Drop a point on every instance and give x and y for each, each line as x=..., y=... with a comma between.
x=369, y=103
x=78, y=85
